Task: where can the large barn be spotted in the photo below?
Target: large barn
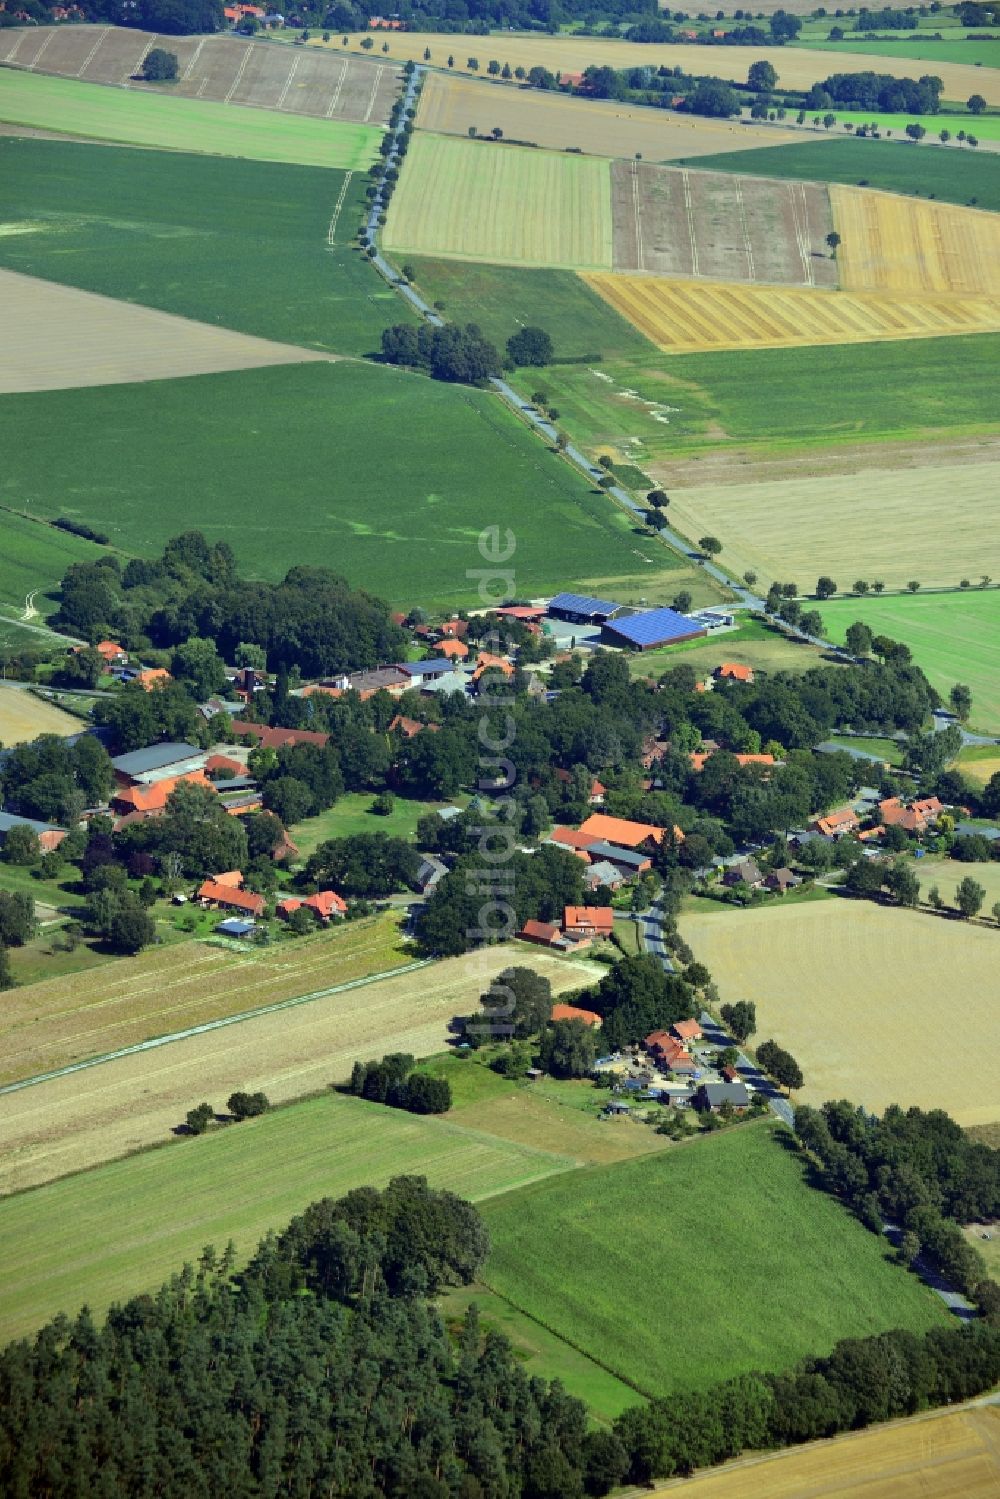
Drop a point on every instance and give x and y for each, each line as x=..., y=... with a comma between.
x=650, y=628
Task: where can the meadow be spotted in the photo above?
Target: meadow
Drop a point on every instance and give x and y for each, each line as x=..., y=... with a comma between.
x=954, y=637
x=359, y=468
x=353, y=813
x=241, y=244
x=127, y=117
x=33, y=559
x=697, y=1264
x=102, y=1235
x=938, y=1455
x=751, y=644
x=863, y=1033
x=473, y=201
x=954, y=175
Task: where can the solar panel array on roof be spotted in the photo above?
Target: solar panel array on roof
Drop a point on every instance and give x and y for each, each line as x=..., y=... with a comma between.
x=582, y=603
x=654, y=626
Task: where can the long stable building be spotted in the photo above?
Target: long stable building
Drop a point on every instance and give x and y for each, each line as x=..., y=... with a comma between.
x=649, y=628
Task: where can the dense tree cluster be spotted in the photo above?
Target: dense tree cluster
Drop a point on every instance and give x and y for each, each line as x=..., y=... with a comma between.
x=167, y=17
x=393, y=1081
x=636, y=997
x=53, y=780
x=446, y=353
x=916, y=1169
x=877, y=91
x=365, y=864
x=312, y=620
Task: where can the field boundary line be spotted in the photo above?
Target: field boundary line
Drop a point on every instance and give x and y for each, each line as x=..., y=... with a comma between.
x=90, y=55
x=288, y=81
x=137, y=1047
x=375, y=87
x=16, y=48
x=336, y=211
x=336, y=93
x=194, y=58
x=802, y=230
x=130, y=73
x=741, y=206
x=635, y=210
x=239, y=74
x=35, y=60
x=686, y=179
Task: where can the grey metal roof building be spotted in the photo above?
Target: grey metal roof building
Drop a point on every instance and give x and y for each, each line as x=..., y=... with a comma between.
x=633, y=858
x=10, y=820
x=156, y=757
x=714, y=1095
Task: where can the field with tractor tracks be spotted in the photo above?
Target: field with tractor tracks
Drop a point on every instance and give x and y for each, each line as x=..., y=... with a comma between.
x=894, y=244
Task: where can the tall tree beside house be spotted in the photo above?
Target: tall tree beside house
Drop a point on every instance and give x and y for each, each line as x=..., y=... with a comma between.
x=516, y=1005
x=568, y=1048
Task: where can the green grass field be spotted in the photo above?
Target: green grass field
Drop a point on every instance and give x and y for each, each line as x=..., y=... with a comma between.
x=751, y=644
x=384, y=476
x=954, y=176
x=984, y=127
x=33, y=557
x=975, y=53
x=776, y=400
x=109, y=1233
x=502, y=299
x=352, y=814
x=954, y=637
x=136, y=119
x=694, y=1265
x=237, y=243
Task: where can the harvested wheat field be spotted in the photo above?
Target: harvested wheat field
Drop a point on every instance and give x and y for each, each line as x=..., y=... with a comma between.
x=74, y=1122
x=676, y=222
x=65, y=1020
x=56, y=337
x=941, y=1455
x=858, y=1016
x=24, y=716
x=452, y=105
x=896, y=244
x=682, y=317
x=227, y=69
x=570, y=53
x=466, y=200
x=932, y=524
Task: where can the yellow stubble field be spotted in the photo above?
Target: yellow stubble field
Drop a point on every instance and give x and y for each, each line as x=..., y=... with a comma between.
x=471, y=201
x=24, y=716
x=894, y=244
x=855, y=992
x=687, y=316
x=941, y=1455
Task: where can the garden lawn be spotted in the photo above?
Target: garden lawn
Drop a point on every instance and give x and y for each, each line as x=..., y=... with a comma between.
x=951, y=174
x=243, y=244
x=353, y=814
x=385, y=477
x=954, y=637
x=502, y=299
x=112, y=1232
x=689, y=1267
x=138, y=119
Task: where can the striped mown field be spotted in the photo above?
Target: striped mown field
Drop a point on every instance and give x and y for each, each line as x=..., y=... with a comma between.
x=472, y=201
x=688, y=316
x=896, y=244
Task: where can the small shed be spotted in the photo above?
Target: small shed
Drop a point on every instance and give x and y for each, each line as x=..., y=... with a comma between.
x=234, y=927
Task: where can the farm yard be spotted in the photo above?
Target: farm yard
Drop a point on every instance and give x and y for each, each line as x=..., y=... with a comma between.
x=56, y=337
x=866, y=522
x=704, y=224
x=218, y=69
x=860, y=1026
x=473, y=201
x=940, y=1455
x=198, y=236
x=83, y=1119
x=954, y=637
x=438, y=460
x=900, y=245
x=956, y=176
x=102, y=1235
x=680, y=316
x=24, y=716
x=751, y=1268
x=451, y=105
x=129, y=117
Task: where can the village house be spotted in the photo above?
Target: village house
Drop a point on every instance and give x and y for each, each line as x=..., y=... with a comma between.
x=324, y=905
x=588, y=921
x=915, y=818
x=603, y=872
x=711, y=1097
x=150, y=799
x=744, y=872
x=836, y=824
x=224, y=766
x=780, y=880
x=574, y=1012
x=452, y=649
x=733, y=671
x=596, y=793
x=224, y=893
x=269, y=737
x=542, y=933
x=686, y=1031
x=623, y=833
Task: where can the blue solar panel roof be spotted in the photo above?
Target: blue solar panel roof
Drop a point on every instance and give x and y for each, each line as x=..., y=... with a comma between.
x=654, y=625
x=582, y=603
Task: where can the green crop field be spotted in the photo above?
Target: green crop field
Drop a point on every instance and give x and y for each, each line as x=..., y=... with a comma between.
x=134, y=119
x=34, y=556
x=953, y=175
x=667, y=405
x=243, y=244
x=984, y=127
x=977, y=53
x=384, y=476
x=108, y=1233
x=954, y=637
x=502, y=299
x=696, y=1264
